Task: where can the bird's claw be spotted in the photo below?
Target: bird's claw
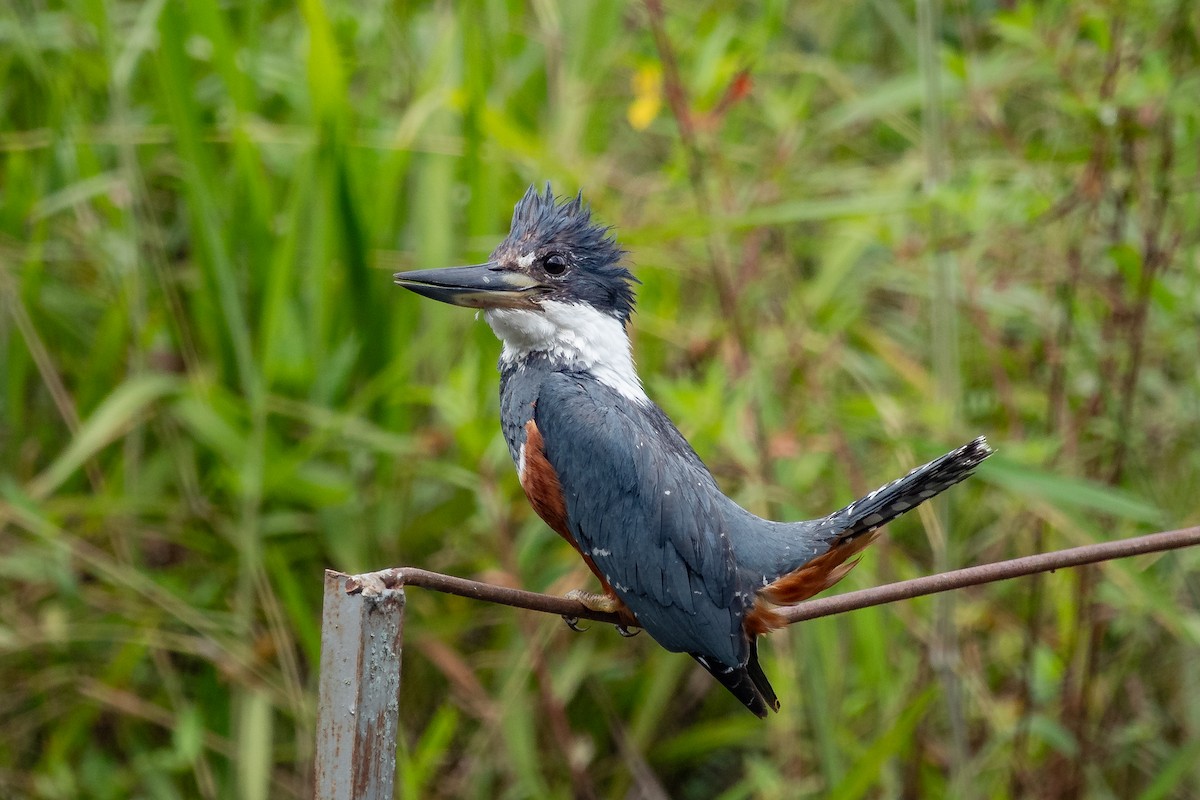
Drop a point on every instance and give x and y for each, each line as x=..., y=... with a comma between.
x=607, y=603
x=573, y=623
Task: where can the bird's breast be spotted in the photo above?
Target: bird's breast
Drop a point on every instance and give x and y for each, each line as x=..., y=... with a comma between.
x=540, y=482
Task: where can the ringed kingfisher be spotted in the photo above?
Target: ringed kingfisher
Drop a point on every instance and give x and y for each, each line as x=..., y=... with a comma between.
x=605, y=468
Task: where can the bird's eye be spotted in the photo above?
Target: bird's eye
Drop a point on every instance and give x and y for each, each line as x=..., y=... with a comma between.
x=554, y=264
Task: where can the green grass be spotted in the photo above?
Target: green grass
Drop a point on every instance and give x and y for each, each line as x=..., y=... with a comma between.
x=211, y=391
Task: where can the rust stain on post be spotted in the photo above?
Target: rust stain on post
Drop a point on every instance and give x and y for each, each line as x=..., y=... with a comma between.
x=359, y=708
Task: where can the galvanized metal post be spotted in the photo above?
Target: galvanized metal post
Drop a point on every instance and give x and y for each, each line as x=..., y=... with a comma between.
x=359, y=708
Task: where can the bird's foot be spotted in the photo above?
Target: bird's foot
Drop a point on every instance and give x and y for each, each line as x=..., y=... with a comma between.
x=605, y=603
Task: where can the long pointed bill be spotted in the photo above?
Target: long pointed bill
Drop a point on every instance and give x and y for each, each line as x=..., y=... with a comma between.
x=480, y=286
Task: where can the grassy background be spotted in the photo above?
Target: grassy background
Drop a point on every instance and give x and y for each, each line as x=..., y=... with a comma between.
x=866, y=231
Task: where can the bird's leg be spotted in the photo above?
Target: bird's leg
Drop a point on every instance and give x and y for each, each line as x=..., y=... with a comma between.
x=606, y=603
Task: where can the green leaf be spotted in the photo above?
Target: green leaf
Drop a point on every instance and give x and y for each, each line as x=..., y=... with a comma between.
x=1065, y=491
x=254, y=750
x=111, y=419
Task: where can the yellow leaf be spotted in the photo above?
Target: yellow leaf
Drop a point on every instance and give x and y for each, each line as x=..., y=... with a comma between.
x=647, y=96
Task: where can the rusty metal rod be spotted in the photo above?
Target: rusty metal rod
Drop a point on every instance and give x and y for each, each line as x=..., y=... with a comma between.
x=996, y=571
x=397, y=577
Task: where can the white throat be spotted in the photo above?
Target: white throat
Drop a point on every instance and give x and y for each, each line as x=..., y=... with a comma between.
x=570, y=333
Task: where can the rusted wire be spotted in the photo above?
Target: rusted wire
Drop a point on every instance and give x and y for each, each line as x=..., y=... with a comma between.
x=995, y=571
x=398, y=577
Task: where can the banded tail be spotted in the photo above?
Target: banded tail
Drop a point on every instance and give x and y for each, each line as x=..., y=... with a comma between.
x=886, y=503
x=848, y=532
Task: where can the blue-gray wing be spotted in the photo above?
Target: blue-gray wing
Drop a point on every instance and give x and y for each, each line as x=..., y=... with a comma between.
x=642, y=505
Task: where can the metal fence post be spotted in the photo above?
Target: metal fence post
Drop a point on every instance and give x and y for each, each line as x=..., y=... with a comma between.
x=359, y=708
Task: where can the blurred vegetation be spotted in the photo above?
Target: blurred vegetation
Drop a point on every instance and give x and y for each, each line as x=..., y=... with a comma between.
x=866, y=231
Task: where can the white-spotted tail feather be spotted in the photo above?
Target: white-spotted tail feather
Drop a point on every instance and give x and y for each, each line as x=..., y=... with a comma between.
x=886, y=503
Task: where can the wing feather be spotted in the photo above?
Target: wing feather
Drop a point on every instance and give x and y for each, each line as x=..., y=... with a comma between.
x=643, y=505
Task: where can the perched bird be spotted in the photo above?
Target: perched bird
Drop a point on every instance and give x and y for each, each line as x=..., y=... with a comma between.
x=609, y=472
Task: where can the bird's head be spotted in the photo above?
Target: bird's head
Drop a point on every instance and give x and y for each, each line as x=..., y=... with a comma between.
x=555, y=286
x=553, y=253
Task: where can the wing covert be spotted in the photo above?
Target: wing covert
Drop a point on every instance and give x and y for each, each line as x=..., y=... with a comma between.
x=646, y=510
